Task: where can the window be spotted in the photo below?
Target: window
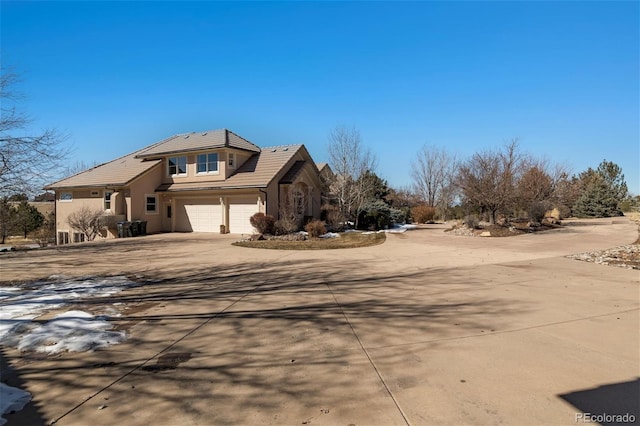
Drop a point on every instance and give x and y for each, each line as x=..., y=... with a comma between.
x=151, y=204
x=66, y=196
x=232, y=160
x=299, y=202
x=63, y=237
x=107, y=200
x=168, y=212
x=78, y=237
x=208, y=163
x=177, y=166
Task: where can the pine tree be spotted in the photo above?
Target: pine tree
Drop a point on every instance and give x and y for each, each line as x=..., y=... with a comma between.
x=602, y=192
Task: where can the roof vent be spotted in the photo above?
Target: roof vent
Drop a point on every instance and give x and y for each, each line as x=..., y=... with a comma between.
x=273, y=150
x=286, y=149
x=186, y=136
x=205, y=134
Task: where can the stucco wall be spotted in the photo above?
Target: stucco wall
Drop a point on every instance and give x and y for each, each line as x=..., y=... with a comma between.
x=224, y=171
x=138, y=191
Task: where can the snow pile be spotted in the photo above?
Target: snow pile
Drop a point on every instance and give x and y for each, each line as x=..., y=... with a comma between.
x=21, y=305
x=73, y=331
x=11, y=400
x=398, y=229
x=330, y=235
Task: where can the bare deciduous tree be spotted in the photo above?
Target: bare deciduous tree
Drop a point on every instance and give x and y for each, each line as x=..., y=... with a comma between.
x=488, y=180
x=77, y=167
x=534, y=185
x=350, y=160
x=27, y=160
x=88, y=221
x=433, y=172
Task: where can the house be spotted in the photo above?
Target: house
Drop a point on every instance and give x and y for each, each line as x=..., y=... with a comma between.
x=210, y=181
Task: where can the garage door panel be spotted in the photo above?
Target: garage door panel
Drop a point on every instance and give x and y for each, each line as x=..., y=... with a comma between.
x=199, y=216
x=240, y=211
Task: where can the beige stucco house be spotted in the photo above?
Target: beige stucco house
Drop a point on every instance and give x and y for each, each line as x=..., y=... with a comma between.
x=193, y=182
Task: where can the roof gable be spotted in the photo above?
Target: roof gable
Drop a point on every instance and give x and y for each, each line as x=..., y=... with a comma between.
x=198, y=141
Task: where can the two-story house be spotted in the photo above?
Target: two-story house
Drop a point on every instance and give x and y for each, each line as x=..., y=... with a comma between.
x=193, y=182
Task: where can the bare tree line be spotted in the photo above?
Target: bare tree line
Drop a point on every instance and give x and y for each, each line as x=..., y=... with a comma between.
x=504, y=181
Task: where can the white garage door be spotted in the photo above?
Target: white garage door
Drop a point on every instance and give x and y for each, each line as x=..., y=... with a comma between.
x=240, y=211
x=198, y=216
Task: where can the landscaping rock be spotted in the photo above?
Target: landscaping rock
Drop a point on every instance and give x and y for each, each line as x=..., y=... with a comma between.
x=624, y=256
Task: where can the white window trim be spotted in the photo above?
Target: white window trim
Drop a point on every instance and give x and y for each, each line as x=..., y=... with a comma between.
x=215, y=172
x=147, y=212
x=186, y=166
x=104, y=200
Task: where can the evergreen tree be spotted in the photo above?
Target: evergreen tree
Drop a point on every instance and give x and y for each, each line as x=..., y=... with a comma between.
x=602, y=191
x=7, y=215
x=27, y=218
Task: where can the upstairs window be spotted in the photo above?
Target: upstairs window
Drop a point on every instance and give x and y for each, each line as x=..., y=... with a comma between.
x=207, y=163
x=232, y=160
x=177, y=166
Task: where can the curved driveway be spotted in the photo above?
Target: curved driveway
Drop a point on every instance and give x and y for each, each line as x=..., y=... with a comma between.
x=427, y=328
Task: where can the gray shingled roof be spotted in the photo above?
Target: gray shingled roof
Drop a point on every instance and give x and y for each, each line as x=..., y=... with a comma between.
x=257, y=172
x=194, y=141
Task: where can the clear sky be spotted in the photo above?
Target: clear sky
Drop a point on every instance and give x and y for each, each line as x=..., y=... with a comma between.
x=563, y=77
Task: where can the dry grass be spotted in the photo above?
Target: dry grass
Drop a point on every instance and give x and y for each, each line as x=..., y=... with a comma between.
x=346, y=240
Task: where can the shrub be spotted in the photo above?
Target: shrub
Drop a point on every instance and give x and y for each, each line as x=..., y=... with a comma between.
x=375, y=215
x=471, y=221
x=397, y=215
x=287, y=225
x=315, y=228
x=423, y=214
x=538, y=209
x=332, y=217
x=264, y=223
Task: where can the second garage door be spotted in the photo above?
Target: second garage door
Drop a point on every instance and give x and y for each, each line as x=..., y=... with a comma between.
x=240, y=210
x=198, y=216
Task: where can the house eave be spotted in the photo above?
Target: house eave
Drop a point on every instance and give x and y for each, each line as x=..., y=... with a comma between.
x=209, y=188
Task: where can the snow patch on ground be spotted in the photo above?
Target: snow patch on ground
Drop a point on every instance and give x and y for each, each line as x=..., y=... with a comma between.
x=330, y=235
x=73, y=331
x=11, y=400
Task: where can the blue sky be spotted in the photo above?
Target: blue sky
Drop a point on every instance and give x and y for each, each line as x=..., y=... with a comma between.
x=563, y=77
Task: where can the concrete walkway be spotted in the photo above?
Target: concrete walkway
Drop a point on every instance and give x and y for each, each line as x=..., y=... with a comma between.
x=427, y=328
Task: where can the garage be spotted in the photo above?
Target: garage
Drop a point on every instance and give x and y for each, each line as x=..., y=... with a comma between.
x=198, y=216
x=240, y=211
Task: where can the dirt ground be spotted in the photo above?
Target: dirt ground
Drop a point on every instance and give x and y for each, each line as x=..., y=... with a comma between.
x=427, y=328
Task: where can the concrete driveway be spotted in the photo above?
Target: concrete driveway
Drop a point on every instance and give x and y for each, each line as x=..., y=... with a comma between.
x=427, y=328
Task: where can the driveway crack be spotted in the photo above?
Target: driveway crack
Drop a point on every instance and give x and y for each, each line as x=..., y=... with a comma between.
x=373, y=364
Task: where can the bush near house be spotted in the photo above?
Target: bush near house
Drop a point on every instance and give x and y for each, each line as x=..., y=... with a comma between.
x=264, y=223
x=379, y=215
x=315, y=228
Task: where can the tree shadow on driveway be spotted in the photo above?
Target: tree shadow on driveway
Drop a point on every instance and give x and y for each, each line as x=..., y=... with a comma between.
x=254, y=338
